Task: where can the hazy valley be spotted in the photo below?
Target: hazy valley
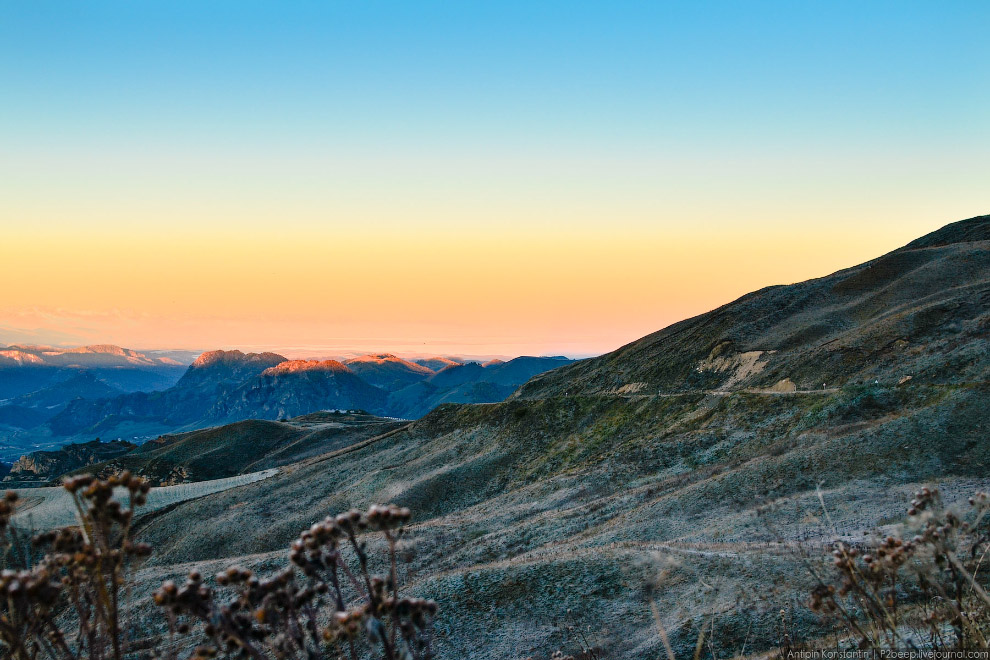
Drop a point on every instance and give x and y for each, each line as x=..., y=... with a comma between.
x=59, y=396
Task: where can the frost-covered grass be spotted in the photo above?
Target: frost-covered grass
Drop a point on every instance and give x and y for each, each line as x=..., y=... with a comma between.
x=49, y=508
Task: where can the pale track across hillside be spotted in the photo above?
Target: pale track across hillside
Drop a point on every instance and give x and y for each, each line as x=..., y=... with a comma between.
x=50, y=508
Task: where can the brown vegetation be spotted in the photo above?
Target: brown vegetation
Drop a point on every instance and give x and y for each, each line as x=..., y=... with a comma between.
x=327, y=603
x=928, y=591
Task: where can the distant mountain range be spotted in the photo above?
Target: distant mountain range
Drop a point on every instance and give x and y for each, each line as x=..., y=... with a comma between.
x=101, y=355
x=26, y=369
x=37, y=383
x=59, y=396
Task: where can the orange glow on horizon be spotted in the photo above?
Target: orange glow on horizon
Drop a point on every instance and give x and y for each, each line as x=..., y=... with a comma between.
x=541, y=290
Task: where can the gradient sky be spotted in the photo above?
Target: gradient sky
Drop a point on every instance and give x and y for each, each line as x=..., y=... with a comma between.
x=465, y=177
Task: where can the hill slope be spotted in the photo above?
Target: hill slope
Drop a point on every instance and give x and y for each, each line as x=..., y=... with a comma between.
x=920, y=311
x=244, y=447
x=669, y=470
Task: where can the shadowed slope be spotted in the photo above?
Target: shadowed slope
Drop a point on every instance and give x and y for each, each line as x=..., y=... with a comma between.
x=388, y=371
x=469, y=383
x=295, y=388
x=243, y=447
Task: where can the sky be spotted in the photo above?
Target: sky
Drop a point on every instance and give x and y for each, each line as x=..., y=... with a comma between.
x=482, y=178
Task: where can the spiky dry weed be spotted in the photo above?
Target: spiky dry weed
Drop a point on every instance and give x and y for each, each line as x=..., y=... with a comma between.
x=322, y=605
x=927, y=591
x=69, y=604
x=326, y=603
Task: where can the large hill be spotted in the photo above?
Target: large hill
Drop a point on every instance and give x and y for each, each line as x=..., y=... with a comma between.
x=917, y=312
x=238, y=448
x=689, y=468
x=297, y=387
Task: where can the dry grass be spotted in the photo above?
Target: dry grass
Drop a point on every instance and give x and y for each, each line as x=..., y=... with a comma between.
x=339, y=596
x=64, y=600
x=927, y=591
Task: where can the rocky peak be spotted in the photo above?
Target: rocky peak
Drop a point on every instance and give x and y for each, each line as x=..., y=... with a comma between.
x=214, y=357
x=234, y=357
x=297, y=366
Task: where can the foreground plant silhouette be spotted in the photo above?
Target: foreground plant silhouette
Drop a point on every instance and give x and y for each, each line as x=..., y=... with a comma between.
x=80, y=578
x=928, y=591
x=69, y=604
x=280, y=616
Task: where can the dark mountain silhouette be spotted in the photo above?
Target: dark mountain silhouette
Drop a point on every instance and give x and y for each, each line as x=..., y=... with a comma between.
x=295, y=388
x=469, y=383
x=37, y=407
x=388, y=371
x=518, y=370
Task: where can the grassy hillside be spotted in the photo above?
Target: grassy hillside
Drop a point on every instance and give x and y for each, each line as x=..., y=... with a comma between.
x=243, y=447
x=689, y=468
x=529, y=508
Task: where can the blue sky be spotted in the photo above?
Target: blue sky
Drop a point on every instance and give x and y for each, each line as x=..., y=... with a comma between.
x=543, y=70
x=854, y=125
